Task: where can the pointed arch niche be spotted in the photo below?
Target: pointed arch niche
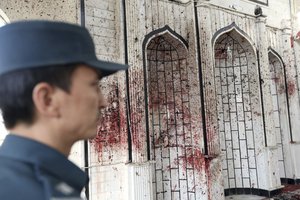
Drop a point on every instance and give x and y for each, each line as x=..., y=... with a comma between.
x=280, y=112
x=168, y=115
x=238, y=107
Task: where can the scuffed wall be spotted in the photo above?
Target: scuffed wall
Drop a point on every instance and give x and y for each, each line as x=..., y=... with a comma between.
x=103, y=20
x=197, y=174
x=143, y=17
x=295, y=74
x=281, y=55
x=62, y=10
x=271, y=10
x=108, y=152
x=260, y=155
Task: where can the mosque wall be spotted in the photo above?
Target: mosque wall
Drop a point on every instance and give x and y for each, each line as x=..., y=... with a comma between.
x=210, y=101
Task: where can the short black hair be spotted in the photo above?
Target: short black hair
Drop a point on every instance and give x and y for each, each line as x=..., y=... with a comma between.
x=16, y=89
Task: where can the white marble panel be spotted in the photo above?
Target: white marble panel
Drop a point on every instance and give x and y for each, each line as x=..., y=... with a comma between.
x=253, y=178
x=159, y=183
x=250, y=141
x=230, y=168
x=235, y=140
x=237, y=158
x=242, y=133
x=183, y=190
x=240, y=112
x=229, y=149
x=167, y=190
x=238, y=178
x=252, y=161
x=243, y=149
x=232, y=183
x=246, y=182
x=233, y=119
x=227, y=131
x=245, y=169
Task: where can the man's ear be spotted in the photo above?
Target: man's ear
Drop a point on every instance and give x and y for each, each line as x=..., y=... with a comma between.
x=43, y=96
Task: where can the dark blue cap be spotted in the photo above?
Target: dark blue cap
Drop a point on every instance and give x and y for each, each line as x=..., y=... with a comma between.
x=30, y=44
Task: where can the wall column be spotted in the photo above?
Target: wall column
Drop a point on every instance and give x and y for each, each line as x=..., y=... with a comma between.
x=215, y=187
x=272, y=179
x=289, y=55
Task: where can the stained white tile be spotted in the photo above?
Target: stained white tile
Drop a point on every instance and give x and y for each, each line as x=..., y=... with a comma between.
x=238, y=178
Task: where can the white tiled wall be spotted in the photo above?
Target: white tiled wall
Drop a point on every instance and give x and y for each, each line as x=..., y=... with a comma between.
x=3, y=131
x=77, y=154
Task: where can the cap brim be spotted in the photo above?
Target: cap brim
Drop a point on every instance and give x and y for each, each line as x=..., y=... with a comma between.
x=106, y=68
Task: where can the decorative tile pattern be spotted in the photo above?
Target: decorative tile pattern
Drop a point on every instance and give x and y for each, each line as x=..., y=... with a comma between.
x=234, y=108
x=278, y=90
x=170, y=121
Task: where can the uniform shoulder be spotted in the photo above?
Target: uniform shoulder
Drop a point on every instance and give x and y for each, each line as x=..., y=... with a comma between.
x=19, y=181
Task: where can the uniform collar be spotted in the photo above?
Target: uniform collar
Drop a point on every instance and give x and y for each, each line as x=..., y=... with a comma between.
x=47, y=158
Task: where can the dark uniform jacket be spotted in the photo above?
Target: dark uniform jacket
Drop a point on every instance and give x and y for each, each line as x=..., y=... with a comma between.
x=30, y=170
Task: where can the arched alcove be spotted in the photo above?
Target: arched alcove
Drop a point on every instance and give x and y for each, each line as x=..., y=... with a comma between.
x=237, y=91
x=169, y=116
x=280, y=111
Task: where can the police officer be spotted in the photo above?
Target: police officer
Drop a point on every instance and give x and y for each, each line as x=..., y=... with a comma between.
x=49, y=98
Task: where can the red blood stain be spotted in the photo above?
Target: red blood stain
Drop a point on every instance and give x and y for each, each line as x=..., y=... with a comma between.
x=220, y=53
x=186, y=113
x=289, y=188
x=291, y=88
x=196, y=159
x=276, y=79
x=257, y=113
x=180, y=117
x=289, y=192
x=109, y=135
x=192, y=160
x=137, y=133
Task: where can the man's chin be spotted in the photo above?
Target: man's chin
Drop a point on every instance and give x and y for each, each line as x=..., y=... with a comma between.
x=92, y=135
